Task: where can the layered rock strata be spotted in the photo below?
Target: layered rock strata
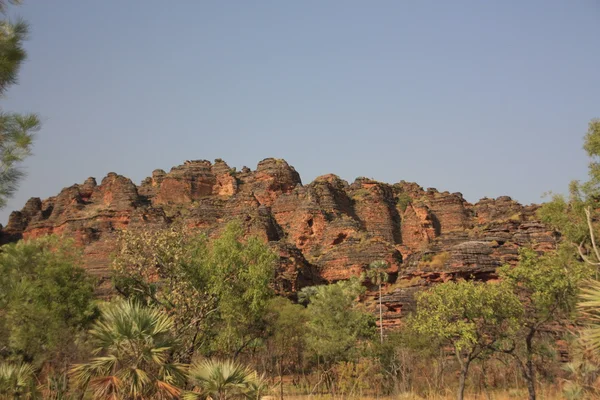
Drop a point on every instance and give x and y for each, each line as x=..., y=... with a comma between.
x=324, y=231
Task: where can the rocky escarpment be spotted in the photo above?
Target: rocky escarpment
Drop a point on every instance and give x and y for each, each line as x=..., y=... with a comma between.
x=324, y=231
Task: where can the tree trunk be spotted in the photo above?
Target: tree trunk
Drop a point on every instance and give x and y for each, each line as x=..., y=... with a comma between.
x=531, y=388
x=464, y=369
x=530, y=368
x=461, y=382
x=380, y=316
x=281, y=379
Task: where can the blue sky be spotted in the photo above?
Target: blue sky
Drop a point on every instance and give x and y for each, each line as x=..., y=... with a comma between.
x=485, y=98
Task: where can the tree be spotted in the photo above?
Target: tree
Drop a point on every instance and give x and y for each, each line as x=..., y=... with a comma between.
x=241, y=276
x=337, y=322
x=224, y=380
x=547, y=287
x=16, y=130
x=576, y=218
x=46, y=299
x=474, y=318
x=287, y=336
x=377, y=274
x=133, y=348
x=216, y=289
x=164, y=268
x=17, y=381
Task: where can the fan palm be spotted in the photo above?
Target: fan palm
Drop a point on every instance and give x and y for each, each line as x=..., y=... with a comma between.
x=133, y=348
x=590, y=307
x=17, y=381
x=223, y=380
x=377, y=274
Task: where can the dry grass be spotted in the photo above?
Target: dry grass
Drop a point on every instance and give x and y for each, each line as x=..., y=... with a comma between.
x=543, y=394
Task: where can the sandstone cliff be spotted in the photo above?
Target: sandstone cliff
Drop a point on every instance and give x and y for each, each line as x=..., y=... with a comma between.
x=324, y=231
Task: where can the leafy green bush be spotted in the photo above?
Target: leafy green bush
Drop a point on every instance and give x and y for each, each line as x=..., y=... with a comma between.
x=46, y=300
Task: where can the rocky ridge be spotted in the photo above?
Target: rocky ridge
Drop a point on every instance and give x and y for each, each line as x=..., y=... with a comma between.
x=324, y=231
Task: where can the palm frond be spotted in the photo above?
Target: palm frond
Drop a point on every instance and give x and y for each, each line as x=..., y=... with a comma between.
x=133, y=354
x=590, y=310
x=214, y=378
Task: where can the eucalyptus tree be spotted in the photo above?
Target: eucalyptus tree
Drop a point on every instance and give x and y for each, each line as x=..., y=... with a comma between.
x=475, y=318
x=337, y=321
x=216, y=289
x=547, y=286
x=576, y=217
x=46, y=300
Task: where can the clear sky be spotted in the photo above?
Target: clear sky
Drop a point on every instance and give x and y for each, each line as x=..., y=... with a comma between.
x=488, y=98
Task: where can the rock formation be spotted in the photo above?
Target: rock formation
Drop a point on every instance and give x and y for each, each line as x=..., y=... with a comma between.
x=324, y=231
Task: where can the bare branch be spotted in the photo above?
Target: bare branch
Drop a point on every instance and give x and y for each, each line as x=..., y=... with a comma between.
x=583, y=256
x=588, y=215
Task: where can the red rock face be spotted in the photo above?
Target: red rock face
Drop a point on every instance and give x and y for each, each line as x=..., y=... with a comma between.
x=324, y=231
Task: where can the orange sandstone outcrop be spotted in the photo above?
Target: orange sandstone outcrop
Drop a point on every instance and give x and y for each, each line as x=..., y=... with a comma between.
x=324, y=231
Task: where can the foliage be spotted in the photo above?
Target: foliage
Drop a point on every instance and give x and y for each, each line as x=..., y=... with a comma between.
x=547, y=285
x=578, y=219
x=590, y=307
x=431, y=260
x=57, y=387
x=133, y=347
x=287, y=338
x=475, y=318
x=377, y=272
x=3, y=4
x=162, y=268
x=403, y=201
x=354, y=378
x=337, y=322
x=472, y=316
x=583, y=372
x=16, y=130
x=46, y=300
x=574, y=216
x=222, y=380
x=400, y=355
x=216, y=290
x=580, y=371
x=17, y=381
x=439, y=260
x=241, y=277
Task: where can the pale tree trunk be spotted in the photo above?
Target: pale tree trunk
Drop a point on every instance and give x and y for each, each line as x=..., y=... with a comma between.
x=588, y=215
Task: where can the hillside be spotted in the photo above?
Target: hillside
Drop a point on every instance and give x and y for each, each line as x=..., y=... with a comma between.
x=325, y=231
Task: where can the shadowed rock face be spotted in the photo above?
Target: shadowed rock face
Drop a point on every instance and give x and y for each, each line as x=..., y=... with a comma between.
x=324, y=231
